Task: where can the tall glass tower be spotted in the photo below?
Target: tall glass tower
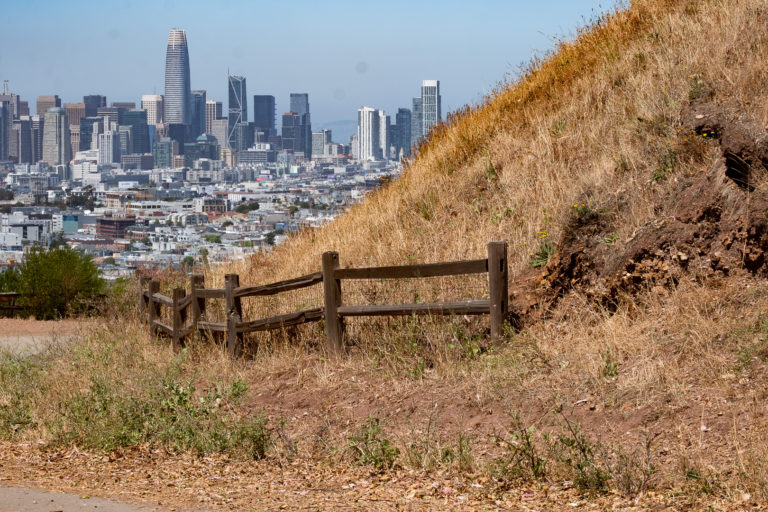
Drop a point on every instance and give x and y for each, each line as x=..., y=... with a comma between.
x=238, y=106
x=178, y=91
x=431, y=108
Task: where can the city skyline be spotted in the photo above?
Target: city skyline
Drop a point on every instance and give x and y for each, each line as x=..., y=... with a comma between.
x=341, y=64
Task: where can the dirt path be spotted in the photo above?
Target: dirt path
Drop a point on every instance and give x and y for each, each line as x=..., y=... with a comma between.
x=24, y=337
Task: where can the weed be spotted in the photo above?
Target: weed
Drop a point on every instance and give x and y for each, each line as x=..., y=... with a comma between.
x=585, y=211
x=558, y=127
x=579, y=454
x=543, y=253
x=16, y=375
x=610, y=367
x=371, y=449
x=633, y=471
x=490, y=171
x=522, y=459
x=666, y=166
x=611, y=239
x=698, y=88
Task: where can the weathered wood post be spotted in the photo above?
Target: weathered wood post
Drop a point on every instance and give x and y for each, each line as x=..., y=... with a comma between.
x=143, y=299
x=498, y=287
x=197, y=282
x=334, y=327
x=179, y=317
x=234, y=315
x=154, y=307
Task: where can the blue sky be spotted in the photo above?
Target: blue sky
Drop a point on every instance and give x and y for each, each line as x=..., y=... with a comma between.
x=345, y=54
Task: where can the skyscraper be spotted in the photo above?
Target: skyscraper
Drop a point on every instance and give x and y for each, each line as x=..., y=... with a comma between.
x=137, y=120
x=198, y=113
x=6, y=124
x=238, y=106
x=153, y=104
x=47, y=101
x=56, y=144
x=290, y=130
x=90, y=128
x=402, y=133
x=178, y=93
x=109, y=147
x=300, y=105
x=416, y=122
x=38, y=129
x=75, y=112
x=92, y=103
x=212, y=112
x=368, y=134
x=431, y=113
x=264, y=114
x=22, y=131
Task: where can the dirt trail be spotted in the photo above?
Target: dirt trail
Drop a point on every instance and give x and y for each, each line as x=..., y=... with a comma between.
x=21, y=336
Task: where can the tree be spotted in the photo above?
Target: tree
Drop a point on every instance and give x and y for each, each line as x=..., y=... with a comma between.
x=188, y=262
x=56, y=282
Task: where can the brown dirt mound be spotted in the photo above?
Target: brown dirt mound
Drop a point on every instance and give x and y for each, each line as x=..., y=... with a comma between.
x=708, y=224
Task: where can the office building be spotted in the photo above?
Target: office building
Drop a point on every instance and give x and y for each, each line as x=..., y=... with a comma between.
x=75, y=112
x=113, y=116
x=264, y=114
x=125, y=105
x=74, y=138
x=90, y=128
x=38, y=129
x=320, y=140
x=416, y=122
x=163, y=152
x=384, y=130
x=153, y=104
x=109, y=147
x=291, y=132
x=401, y=134
x=23, y=108
x=198, y=113
x=6, y=125
x=13, y=104
x=56, y=144
x=212, y=111
x=47, y=101
x=125, y=136
x=22, y=134
x=93, y=102
x=220, y=130
x=178, y=91
x=300, y=105
x=205, y=146
x=137, y=120
x=238, y=106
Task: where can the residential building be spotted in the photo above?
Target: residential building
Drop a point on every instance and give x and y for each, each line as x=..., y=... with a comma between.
x=368, y=134
x=303, y=141
x=417, y=122
x=212, y=111
x=402, y=133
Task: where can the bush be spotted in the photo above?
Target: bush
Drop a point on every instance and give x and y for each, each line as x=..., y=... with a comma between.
x=57, y=282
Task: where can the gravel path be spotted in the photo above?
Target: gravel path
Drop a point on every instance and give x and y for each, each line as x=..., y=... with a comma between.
x=22, y=337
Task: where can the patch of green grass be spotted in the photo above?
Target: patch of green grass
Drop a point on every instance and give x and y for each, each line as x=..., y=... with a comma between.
x=371, y=449
x=543, y=253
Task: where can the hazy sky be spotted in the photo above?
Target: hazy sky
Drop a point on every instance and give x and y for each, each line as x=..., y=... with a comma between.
x=344, y=53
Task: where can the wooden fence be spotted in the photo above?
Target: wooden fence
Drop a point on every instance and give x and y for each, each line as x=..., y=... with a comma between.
x=187, y=310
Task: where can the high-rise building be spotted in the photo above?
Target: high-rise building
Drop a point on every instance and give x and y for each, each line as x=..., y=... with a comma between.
x=75, y=112
x=264, y=114
x=90, y=128
x=74, y=138
x=291, y=131
x=368, y=134
x=137, y=120
x=125, y=105
x=178, y=90
x=300, y=105
x=125, y=136
x=153, y=104
x=109, y=147
x=6, y=125
x=319, y=142
x=384, y=130
x=238, y=106
x=163, y=152
x=47, y=101
x=220, y=130
x=22, y=132
x=431, y=109
x=113, y=116
x=416, y=122
x=212, y=111
x=402, y=133
x=14, y=104
x=38, y=129
x=56, y=144
x=92, y=103
x=23, y=108
x=198, y=113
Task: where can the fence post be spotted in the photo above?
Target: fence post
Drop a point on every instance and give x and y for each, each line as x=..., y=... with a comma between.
x=498, y=287
x=179, y=316
x=154, y=307
x=332, y=298
x=143, y=300
x=234, y=315
x=196, y=282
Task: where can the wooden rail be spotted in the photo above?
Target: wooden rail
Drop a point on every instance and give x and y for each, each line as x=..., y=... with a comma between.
x=187, y=311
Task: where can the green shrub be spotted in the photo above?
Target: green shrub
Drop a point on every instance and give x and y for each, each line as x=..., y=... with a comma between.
x=371, y=450
x=57, y=282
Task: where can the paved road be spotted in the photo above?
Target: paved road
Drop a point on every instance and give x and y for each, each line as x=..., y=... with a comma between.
x=18, y=499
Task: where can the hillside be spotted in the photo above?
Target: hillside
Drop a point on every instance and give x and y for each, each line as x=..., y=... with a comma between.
x=627, y=171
